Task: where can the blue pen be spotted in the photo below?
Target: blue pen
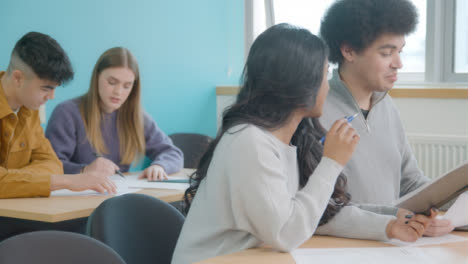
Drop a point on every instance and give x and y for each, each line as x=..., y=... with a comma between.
x=348, y=119
x=173, y=181
x=117, y=171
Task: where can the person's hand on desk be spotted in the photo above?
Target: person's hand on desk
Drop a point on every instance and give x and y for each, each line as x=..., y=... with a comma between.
x=154, y=173
x=103, y=166
x=408, y=226
x=83, y=181
x=437, y=227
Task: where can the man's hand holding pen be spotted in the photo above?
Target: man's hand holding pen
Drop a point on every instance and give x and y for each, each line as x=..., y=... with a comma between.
x=103, y=166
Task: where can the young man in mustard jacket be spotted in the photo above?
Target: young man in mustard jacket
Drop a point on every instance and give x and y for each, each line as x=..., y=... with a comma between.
x=29, y=166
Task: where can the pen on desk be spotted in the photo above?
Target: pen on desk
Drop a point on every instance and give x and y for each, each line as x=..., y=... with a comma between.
x=348, y=119
x=117, y=171
x=173, y=181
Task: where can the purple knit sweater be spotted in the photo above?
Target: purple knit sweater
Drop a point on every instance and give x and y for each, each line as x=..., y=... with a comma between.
x=66, y=132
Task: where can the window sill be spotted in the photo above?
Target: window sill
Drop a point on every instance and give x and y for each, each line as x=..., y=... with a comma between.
x=400, y=91
x=227, y=90
x=441, y=91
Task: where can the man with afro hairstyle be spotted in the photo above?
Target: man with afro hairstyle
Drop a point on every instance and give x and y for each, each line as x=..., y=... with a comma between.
x=366, y=38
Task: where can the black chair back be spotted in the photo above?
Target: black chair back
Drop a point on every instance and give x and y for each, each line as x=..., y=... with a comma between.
x=141, y=228
x=192, y=145
x=56, y=247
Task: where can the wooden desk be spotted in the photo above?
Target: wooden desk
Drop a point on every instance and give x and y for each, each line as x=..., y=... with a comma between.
x=458, y=251
x=56, y=209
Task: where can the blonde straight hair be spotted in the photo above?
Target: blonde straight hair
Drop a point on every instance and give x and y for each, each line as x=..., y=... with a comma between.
x=130, y=125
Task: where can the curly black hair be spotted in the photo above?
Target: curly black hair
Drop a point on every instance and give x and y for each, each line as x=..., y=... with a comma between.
x=45, y=57
x=359, y=23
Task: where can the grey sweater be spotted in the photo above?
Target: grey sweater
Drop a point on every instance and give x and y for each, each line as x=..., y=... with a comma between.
x=67, y=134
x=383, y=167
x=251, y=197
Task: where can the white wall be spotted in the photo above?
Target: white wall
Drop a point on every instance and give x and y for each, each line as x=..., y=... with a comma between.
x=434, y=116
x=223, y=101
x=445, y=117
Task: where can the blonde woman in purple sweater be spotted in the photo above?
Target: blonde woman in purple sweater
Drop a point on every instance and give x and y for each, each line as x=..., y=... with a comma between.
x=106, y=130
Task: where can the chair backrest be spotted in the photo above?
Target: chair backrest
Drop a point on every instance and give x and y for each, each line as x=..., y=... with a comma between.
x=53, y=247
x=141, y=228
x=192, y=145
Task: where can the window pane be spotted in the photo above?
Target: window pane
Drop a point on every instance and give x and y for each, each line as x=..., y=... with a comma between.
x=461, y=37
x=259, y=22
x=308, y=14
x=414, y=52
x=304, y=13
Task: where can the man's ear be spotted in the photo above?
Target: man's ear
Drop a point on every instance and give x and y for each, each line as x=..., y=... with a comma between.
x=18, y=77
x=348, y=52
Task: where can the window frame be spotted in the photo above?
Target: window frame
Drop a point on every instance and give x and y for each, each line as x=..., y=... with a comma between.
x=440, y=42
x=449, y=58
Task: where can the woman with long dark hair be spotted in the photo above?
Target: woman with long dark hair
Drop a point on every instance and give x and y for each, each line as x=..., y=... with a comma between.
x=266, y=178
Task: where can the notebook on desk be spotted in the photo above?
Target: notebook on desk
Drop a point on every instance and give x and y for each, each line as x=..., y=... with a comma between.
x=437, y=192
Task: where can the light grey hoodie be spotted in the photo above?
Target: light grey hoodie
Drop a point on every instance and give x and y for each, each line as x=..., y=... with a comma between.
x=251, y=196
x=383, y=167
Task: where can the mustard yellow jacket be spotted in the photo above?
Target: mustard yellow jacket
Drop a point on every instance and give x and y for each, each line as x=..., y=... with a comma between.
x=27, y=159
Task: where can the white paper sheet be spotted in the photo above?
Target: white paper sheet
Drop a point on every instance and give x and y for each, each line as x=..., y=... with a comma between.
x=386, y=255
x=122, y=188
x=458, y=212
x=422, y=241
x=130, y=184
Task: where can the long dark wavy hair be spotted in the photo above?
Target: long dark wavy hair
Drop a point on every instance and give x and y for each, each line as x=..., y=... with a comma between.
x=283, y=73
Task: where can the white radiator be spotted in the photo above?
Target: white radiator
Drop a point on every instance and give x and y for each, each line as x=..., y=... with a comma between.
x=437, y=154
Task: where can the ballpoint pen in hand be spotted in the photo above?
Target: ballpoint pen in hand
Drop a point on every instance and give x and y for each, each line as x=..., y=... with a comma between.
x=120, y=173
x=348, y=119
x=117, y=171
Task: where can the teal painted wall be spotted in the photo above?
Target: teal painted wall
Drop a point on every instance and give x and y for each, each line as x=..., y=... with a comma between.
x=184, y=49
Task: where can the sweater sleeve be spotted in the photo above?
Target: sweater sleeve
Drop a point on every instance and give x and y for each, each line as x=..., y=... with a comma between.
x=353, y=222
x=160, y=149
x=260, y=199
x=377, y=208
x=33, y=179
x=61, y=132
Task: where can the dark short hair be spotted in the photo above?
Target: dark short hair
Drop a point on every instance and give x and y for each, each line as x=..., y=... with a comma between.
x=45, y=57
x=358, y=23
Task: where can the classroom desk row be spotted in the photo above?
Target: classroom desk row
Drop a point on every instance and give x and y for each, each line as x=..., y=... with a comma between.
x=454, y=253
x=56, y=209
x=60, y=208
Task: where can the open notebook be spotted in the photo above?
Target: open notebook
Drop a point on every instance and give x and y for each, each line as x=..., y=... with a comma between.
x=122, y=188
x=131, y=183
